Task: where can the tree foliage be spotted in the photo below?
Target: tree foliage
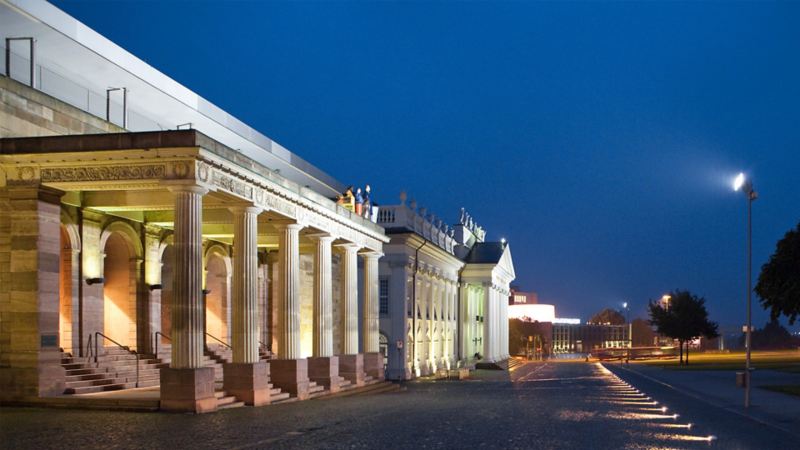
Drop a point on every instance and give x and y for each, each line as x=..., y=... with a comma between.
x=684, y=318
x=608, y=316
x=779, y=282
x=772, y=337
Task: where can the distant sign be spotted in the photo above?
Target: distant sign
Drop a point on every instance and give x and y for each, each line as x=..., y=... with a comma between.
x=399, y=344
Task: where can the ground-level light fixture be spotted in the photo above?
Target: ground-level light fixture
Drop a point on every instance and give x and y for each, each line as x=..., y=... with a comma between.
x=154, y=287
x=95, y=280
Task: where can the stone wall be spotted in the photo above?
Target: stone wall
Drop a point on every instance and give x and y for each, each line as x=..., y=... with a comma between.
x=26, y=112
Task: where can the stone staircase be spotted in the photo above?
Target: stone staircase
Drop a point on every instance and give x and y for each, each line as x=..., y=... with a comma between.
x=115, y=369
x=225, y=401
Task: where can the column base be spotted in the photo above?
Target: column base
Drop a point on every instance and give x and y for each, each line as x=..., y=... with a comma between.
x=373, y=365
x=291, y=375
x=249, y=382
x=351, y=367
x=324, y=370
x=188, y=390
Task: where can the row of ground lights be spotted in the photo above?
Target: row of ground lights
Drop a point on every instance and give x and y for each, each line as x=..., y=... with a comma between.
x=627, y=395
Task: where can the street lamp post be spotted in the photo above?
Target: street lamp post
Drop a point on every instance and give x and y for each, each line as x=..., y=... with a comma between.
x=746, y=186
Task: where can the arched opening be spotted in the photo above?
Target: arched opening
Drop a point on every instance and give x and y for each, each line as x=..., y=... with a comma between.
x=217, y=299
x=119, y=292
x=167, y=273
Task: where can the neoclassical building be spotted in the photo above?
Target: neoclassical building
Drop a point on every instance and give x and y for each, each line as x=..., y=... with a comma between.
x=169, y=244
x=443, y=294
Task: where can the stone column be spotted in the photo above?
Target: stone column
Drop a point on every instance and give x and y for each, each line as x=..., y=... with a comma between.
x=351, y=363
x=373, y=360
x=323, y=297
x=288, y=372
x=488, y=331
x=246, y=377
x=186, y=385
x=323, y=367
x=30, y=358
x=150, y=294
x=446, y=323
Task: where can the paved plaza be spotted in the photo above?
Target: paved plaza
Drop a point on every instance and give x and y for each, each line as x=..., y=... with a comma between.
x=542, y=405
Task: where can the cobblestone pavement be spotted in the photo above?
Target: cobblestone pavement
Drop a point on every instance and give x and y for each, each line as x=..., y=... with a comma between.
x=542, y=405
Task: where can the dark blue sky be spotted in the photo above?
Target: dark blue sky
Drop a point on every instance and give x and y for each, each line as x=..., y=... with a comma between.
x=598, y=138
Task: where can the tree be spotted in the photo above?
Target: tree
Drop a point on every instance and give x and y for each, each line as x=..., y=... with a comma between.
x=772, y=337
x=608, y=316
x=779, y=282
x=684, y=318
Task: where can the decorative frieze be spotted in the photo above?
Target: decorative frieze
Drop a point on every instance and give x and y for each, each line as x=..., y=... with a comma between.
x=101, y=173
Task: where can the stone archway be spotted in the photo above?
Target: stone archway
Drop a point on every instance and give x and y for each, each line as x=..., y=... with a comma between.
x=167, y=274
x=119, y=292
x=68, y=317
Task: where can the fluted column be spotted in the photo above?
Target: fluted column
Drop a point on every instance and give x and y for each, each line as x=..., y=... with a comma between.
x=488, y=344
x=349, y=317
x=323, y=296
x=187, y=301
x=289, y=291
x=370, y=308
x=245, y=284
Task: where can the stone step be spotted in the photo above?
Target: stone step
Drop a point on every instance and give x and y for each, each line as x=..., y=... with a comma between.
x=85, y=383
x=90, y=376
x=283, y=397
x=92, y=389
x=84, y=371
x=231, y=405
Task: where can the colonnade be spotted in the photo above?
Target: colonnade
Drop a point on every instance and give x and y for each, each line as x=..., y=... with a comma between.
x=246, y=377
x=436, y=299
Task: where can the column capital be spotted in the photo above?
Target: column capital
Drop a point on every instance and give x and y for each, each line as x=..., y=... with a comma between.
x=370, y=254
x=246, y=208
x=289, y=226
x=193, y=188
x=324, y=237
x=348, y=246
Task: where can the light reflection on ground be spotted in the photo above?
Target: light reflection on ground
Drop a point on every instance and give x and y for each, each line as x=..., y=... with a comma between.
x=630, y=404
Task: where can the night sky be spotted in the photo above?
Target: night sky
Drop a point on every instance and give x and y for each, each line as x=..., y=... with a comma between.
x=600, y=139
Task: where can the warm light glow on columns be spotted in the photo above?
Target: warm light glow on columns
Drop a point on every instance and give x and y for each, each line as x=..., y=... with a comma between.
x=488, y=332
x=350, y=299
x=371, y=313
x=289, y=291
x=187, y=300
x=323, y=296
x=244, y=338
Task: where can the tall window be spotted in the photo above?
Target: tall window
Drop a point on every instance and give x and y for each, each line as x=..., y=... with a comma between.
x=383, y=296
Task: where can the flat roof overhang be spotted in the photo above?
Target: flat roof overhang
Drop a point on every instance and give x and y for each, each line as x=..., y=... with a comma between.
x=94, y=64
x=172, y=139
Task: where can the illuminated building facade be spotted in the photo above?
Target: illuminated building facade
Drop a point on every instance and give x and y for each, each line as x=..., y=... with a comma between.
x=583, y=338
x=446, y=293
x=211, y=254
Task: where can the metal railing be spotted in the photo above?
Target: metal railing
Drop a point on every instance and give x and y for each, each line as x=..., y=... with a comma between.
x=219, y=340
x=97, y=336
x=155, y=344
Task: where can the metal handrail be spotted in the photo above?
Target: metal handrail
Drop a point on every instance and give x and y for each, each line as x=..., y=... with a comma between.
x=135, y=354
x=155, y=336
x=219, y=340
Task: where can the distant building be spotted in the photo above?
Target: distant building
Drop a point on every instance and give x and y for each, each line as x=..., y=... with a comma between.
x=518, y=297
x=443, y=293
x=583, y=338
